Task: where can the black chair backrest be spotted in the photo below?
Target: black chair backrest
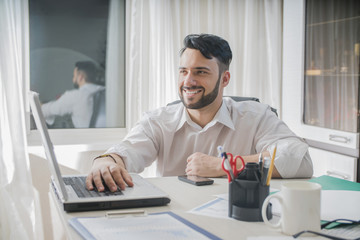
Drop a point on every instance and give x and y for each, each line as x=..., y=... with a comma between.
x=98, y=118
x=235, y=98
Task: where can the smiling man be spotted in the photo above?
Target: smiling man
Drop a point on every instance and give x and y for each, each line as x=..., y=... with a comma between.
x=202, y=79
x=183, y=137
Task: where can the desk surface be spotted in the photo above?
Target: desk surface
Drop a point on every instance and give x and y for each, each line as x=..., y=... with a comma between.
x=185, y=197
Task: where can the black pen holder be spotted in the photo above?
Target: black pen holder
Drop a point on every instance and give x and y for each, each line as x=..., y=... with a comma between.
x=246, y=198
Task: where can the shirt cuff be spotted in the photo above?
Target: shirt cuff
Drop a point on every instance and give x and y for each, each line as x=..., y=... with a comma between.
x=131, y=166
x=289, y=156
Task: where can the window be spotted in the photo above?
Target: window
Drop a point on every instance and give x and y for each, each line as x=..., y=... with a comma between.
x=331, y=94
x=71, y=44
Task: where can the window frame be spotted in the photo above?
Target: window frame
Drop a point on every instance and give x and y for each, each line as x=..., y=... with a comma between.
x=91, y=139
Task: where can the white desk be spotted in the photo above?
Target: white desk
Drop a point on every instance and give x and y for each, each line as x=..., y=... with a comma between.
x=185, y=197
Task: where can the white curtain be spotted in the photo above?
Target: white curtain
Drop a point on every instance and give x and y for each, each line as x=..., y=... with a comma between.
x=18, y=218
x=156, y=29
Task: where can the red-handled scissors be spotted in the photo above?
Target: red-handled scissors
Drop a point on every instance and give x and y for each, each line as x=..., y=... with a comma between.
x=233, y=171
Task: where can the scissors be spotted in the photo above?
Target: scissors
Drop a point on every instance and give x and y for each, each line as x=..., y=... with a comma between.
x=233, y=172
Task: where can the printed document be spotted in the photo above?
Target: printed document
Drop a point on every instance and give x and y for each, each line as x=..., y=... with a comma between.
x=153, y=227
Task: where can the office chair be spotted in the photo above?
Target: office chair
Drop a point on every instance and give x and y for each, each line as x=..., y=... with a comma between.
x=235, y=98
x=98, y=118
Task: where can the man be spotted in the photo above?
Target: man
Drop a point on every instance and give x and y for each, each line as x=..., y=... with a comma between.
x=184, y=137
x=78, y=103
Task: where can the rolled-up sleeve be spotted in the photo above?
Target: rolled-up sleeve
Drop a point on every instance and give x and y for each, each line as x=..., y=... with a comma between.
x=292, y=158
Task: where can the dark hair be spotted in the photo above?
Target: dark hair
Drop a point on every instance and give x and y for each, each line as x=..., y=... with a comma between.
x=210, y=46
x=89, y=68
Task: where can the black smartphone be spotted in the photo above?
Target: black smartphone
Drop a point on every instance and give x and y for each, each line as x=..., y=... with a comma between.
x=196, y=180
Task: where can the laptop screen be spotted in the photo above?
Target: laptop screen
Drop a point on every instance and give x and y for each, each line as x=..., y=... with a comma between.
x=49, y=149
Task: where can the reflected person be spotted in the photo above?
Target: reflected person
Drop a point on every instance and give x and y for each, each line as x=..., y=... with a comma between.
x=78, y=102
x=183, y=138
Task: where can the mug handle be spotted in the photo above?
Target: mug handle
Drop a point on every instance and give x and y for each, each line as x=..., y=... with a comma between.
x=264, y=207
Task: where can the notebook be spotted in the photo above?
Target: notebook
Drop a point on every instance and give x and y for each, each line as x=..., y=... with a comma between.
x=71, y=191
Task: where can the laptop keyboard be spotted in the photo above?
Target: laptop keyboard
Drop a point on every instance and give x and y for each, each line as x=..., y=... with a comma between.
x=79, y=186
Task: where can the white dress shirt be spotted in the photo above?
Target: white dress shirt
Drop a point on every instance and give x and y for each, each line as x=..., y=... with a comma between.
x=169, y=136
x=76, y=102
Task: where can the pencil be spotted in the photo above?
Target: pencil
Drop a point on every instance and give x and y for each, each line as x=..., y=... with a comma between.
x=271, y=167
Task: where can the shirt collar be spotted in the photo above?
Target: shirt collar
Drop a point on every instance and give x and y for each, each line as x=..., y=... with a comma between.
x=183, y=118
x=222, y=116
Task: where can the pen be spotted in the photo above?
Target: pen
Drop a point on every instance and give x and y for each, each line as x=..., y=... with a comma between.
x=265, y=170
x=271, y=167
x=226, y=162
x=260, y=163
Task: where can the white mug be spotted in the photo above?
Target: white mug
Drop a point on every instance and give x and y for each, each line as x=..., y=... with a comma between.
x=300, y=204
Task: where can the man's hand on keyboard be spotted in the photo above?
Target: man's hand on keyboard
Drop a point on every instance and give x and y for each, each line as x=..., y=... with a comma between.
x=113, y=174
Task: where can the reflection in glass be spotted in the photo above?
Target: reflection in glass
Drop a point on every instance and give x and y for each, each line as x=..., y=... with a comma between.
x=68, y=61
x=331, y=94
x=79, y=106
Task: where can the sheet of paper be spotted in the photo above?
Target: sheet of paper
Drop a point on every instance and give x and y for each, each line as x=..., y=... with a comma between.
x=219, y=207
x=224, y=196
x=347, y=232
x=216, y=208
x=152, y=227
x=334, y=204
x=340, y=204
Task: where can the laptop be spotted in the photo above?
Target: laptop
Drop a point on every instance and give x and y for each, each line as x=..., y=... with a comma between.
x=71, y=190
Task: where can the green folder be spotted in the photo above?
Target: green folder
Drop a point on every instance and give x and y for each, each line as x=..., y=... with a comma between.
x=333, y=183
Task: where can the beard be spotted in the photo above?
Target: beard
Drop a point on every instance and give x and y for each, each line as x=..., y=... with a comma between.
x=205, y=100
x=76, y=86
